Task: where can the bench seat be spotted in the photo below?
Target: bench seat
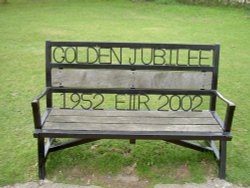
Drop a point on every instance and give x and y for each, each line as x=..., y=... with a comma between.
x=122, y=123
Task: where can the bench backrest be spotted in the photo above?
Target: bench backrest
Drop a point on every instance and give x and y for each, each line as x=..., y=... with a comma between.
x=131, y=65
x=125, y=67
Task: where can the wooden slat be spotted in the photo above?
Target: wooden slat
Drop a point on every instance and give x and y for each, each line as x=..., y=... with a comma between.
x=101, y=120
x=173, y=80
x=131, y=127
x=91, y=78
x=131, y=120
x=121, y=113
x=142, y=79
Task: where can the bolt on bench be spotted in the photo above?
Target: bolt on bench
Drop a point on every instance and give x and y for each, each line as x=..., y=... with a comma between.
x=131, y=91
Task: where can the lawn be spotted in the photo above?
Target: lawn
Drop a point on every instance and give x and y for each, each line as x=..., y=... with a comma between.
x=25, y=25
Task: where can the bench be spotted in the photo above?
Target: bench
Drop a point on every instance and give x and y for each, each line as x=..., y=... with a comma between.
x=132, y=91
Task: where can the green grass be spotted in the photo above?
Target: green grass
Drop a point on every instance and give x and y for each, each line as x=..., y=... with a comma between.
x=26, y=24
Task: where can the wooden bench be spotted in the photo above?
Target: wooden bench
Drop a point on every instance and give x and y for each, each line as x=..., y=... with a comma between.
x=132, y=91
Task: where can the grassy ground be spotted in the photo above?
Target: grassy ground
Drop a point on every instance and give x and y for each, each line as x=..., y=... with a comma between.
x=26, y=24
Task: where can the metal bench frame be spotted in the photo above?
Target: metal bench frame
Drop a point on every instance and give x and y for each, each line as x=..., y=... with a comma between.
x=178, y=138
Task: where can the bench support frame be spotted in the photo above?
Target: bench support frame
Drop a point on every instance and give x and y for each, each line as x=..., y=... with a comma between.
x=222, y=160
x=45, y=148
x=41, y=157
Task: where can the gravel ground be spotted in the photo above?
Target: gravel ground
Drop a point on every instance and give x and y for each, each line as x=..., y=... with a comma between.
x=215, y=183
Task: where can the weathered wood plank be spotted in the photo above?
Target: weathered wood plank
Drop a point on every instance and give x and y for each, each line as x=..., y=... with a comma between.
x=91, y=78
x=131, y=120
x=123, y=113
x=131, y=127
x=131, y=79
x=173, y=80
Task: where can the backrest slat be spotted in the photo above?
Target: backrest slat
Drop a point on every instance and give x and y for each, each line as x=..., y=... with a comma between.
x=142, y=79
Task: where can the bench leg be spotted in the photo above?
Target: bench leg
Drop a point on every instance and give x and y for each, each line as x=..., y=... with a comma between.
x=222, y=161
x=132, y=141
x=41, y=158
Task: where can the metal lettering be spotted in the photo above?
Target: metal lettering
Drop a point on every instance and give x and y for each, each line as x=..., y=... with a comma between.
x=173, y=103
x=132, y=102
x=191, y=57
x=62, y=56
x=177, y=57
x=119, y=102
x=133, y=96
x=162, y=57
x=64, y=100
x=96, y=107
x=119, y=59
x=88, y=54
x=143, y=57
x=76, y=52
x=88, y=101
x=67, y=55
x=200, y=57
x=170, y=57
x=188, y=57
x=184, y=105
x=161, y=108
x=75, y=98
x=130, y=62
x=103, y=55
x=199, y=101
x=182, y=57
x=145, y=102
x=96, y=101
x=81, y=55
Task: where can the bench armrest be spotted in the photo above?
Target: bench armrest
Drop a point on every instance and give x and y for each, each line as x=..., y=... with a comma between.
x=229, y=111
x=44, y=92
x=36, y=108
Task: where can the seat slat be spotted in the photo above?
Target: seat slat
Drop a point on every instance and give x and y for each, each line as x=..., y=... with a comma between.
x=131, y=120
x=123, y=113
x=100, y=120
x=131, y=127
